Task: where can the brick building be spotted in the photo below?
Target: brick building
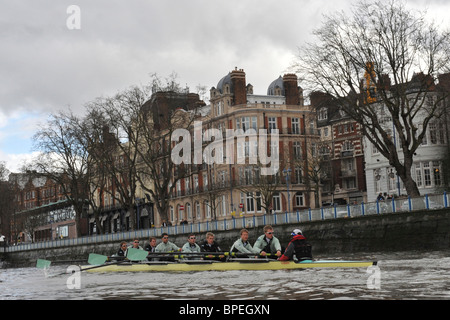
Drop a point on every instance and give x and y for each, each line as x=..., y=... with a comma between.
x=342, y=152
x=235, y=185
x=41, y=209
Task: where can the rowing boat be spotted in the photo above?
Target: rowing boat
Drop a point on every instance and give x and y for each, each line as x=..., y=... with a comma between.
x=238, y=264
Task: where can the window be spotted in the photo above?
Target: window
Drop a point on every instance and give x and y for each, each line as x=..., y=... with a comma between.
x=297, y=150
x=272, y=123
x=436, y=173
x=350, y=183
x=298, y=175
x=427, y=174
x=188, y=211
x=208, y=209
x=248, y=176
x=299, y=199
x=323, y=114
x=436, y=133
x=258, y=201
x=347, y=146
x=172, y=218
x=246, y=123
x=196, y=183
x=219, y=108
x=392, y=180
x=276, y=202
x=178, y=187
x=295, y=125
x=180, y=213
x=205, y=181
x=419, y=176
x=197, y=210
x=250, y=202
x=224, y=205
x=222, y=178
x=348, y=165
x=274, y=148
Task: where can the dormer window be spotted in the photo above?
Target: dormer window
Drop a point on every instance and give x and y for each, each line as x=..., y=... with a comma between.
x=322, y=114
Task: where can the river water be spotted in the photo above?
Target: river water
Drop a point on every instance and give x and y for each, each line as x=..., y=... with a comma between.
x=410, y=275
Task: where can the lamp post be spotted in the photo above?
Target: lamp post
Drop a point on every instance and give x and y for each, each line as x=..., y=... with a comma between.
x=287, y=173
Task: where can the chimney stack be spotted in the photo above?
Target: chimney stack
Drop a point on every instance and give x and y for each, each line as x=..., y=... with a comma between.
x=291, y=89
x=239, y=87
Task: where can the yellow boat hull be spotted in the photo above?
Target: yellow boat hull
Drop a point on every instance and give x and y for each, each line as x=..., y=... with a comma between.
x=226, y=266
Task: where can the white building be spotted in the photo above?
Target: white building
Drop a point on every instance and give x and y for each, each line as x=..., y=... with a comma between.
x=427, y=169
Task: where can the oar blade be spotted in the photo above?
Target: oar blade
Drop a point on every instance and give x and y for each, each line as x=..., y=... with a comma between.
x=43, y=264
x=136, y=254
x=96, y=259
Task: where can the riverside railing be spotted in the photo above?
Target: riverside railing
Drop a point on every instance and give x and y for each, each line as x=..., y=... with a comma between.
x=427, y=202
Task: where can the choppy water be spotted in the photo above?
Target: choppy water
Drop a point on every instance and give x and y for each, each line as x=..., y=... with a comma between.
x=401, y=276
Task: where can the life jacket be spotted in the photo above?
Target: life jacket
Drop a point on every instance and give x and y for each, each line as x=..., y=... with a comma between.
x=302, y=249
x=267, y=248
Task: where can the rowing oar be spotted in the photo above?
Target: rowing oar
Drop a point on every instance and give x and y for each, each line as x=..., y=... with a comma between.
x=43, y=264
x=96, y=260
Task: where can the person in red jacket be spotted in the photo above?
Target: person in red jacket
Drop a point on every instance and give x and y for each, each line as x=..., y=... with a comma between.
x=298, y=249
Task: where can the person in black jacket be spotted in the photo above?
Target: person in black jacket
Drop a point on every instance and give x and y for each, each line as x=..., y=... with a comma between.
x=123, y=249
x=151, y=248
x=210, y=245
x=298, y=249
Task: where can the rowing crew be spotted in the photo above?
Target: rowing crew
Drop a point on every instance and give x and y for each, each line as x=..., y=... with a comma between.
x=267, y=245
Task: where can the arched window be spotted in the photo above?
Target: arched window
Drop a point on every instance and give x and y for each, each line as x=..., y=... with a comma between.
x=188, y=211
x=198, y=212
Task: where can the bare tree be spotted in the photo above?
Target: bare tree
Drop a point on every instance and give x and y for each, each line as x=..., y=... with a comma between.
x=164, y=113
x=383, y=58
x=64, y=159
x=117, y=157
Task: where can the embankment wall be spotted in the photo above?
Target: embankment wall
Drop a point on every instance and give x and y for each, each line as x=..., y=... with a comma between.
x=427, y=230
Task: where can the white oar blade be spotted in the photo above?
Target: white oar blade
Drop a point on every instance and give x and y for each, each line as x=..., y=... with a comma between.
x=43, y=264
x=136, y=254
x=96, y=259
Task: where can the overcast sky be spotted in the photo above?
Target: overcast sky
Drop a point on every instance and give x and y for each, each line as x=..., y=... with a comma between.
x=46, y=67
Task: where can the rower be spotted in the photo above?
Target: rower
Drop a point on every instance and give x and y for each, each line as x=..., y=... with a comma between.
x=268, y=244
x=190, y=245
x=210, y=245
x=166, y=246
x=242, y=245
x=298, y=249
